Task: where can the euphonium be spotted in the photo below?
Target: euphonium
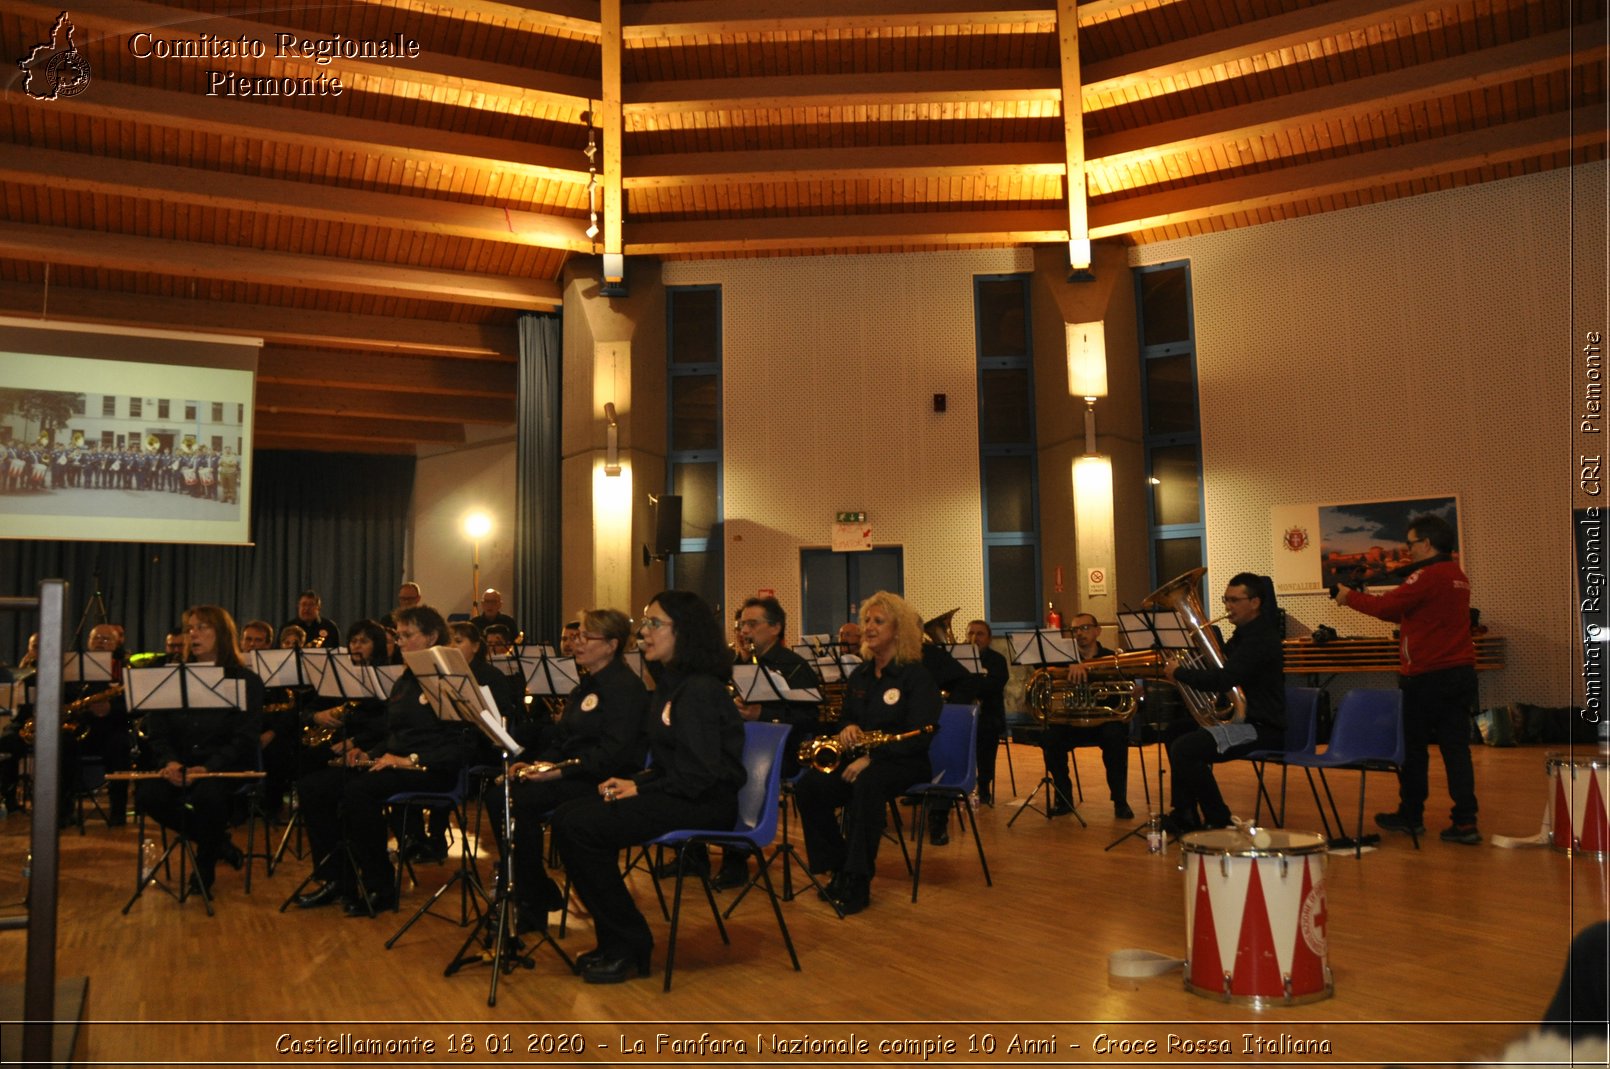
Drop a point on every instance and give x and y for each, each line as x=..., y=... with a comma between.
x=73, y=720
x=1111, y=691
x=1179, y=596
x=825, y=752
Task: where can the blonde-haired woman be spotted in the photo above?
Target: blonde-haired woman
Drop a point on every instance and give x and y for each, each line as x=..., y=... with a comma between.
x=890, y=691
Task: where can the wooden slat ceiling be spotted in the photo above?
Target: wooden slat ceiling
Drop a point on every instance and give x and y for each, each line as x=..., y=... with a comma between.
x=384, y=240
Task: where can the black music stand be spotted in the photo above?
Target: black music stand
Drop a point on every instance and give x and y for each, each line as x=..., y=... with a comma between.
x=1139, y=630
x=1044, y=647
x=176, y=686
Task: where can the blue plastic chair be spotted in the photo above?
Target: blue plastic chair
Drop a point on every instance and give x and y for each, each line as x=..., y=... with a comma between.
x=954, y=757
x=1302, y=737
x=754, y=829
x=472, y=892
x=1368, y=737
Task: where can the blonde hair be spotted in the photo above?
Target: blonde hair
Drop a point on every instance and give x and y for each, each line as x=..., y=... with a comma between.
x=907, y=629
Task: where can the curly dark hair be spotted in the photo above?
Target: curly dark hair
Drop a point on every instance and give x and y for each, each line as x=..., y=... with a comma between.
x=426, y=621
x=701, y=648
x=375, y=633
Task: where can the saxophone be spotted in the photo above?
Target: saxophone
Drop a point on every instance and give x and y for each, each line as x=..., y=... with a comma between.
x=825, y=752
x=316, y=734
x=73, y=720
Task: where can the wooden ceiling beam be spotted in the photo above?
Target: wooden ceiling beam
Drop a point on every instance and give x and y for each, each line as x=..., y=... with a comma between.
x=126, y=18
x=287, y=398
x=193, y=259
x=1344, y=20
x=1023, y=227
x=1492, y=145
x=1021, y=159
x=611, y=127
x=1470, y=72
x=287, y=326
x=566, y=16
x=254, y=123
x=392, y=373
x=647, y=99
x=653, y=22
x=1073, y=138
x=272, y=196
x=341, y=429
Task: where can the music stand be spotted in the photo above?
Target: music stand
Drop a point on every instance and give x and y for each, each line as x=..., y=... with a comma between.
x=757, y=684
x=177, y=686
x=1149, y=631
x=1044, y=647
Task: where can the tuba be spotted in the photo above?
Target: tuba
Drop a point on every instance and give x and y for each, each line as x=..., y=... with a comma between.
x=1179, y=596
x=1111, y=690
x=825, y=752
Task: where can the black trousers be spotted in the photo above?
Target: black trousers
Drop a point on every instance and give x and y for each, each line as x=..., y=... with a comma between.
x=1437, y=707
x=1061, y=740
x=990, y=730
x=1193, y=755
x=349, y=806
x=199, y=811
x=820, y=794
x=531, y=803
x=591, y=833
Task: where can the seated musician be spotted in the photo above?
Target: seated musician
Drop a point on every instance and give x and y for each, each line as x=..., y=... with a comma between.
x=174, y=647
x=292, y=637
x=1254, y=661
x=281, y=721
x=763, y=622
x=107, y=724
x=185, y=742
x=891, y=692
x=696, y=741
x=850, y=639
x=1060, y=740
x=12, y=746
x=601, y=730
x=418, y=753
x=330, y=731
x=991, y=706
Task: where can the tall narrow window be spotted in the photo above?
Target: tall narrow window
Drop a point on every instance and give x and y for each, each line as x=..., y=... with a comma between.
x=136, y=406
x=1008, y=476
x=1172, y=431
x=693, y=454
x=108, y=405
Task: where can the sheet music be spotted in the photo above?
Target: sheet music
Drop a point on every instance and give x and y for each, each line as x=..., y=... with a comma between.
x=279, y=668
x=315, y=662
x=448, y=684
x=13, y=695
x=1144, y=631
x=556, y=676
x=183, y=686
x=360, y=681
x=1042, y=647
x=492, y=724
x=967, y=655
x=91, y=666
x=831, y=669
x=758, y=683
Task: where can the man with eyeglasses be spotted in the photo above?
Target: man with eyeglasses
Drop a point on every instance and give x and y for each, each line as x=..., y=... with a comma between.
x=760, y=623
x=1255, y=661
x=1060, y=740
x=1437, y=674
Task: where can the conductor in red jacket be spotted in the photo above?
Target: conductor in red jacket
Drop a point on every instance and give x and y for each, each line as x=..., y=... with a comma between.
x=1437, y=674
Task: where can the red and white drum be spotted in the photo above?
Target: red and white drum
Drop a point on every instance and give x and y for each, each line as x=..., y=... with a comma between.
x=1579, y=803
x=1255, y=917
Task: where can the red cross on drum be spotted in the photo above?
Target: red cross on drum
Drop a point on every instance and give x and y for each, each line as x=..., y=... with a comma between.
x=1255, y=917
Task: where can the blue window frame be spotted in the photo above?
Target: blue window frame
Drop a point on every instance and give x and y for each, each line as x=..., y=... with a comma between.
x=1171, y=421
x=693, y=437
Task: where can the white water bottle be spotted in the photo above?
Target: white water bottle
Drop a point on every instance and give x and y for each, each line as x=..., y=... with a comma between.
x=1154, y=835
x=148, y=858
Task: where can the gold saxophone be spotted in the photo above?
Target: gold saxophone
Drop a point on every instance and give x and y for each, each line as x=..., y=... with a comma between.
x=73, y=720
x=825, y=752
x=316, y=734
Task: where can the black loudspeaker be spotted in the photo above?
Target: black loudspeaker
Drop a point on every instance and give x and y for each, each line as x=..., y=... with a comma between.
x=667, y=523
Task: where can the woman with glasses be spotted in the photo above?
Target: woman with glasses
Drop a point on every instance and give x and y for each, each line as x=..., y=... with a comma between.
x=695, y=739
x=1255, y=661
x=184, y=742
x=889, y=691
x=599, y=735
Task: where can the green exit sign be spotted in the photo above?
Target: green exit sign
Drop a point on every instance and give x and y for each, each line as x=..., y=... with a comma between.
x=851, y=517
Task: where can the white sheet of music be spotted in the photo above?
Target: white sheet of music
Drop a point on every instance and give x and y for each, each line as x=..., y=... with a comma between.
x=181, y=686
x=91, y=666
x=968, y=657
x=758, y=683
x=315, y=662
x=279, y=668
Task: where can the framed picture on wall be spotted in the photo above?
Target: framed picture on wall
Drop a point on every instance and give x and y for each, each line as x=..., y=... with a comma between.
x=1348, y=543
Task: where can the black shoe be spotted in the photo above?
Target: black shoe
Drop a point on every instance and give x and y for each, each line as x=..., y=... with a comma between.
x=529, y=918
x=326, y=895
x=1179, y=824
x=1061, y=809
x=856, y=896
x=1466, y=834
x=690, y=859
x=616, y=967
x=588, y=957
x=378, y=902
x=1121, y=811
x=1395, y=821
x=230, y=855
x=939, y=836
x=730, y=876
x=986, y=796
x=834, y=888
x=426, y=853
x=545, y=896
x=200, y=883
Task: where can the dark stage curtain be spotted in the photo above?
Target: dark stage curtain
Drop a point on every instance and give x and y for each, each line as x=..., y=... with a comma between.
x=331, y=521
x=536, y=548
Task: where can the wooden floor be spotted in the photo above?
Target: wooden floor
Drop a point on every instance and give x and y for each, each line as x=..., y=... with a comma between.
x=1444, y=954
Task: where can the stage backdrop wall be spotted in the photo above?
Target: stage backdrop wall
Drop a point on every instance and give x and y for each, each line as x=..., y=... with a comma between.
x=830, y=365
x=1417, y=347
x=333, y=522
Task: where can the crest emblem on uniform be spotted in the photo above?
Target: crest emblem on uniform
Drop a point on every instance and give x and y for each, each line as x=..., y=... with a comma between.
x=891, y=696
x=1295, y=539
x=665, y=715
x=589, y=703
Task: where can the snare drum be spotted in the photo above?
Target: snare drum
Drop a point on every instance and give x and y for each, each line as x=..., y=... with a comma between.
x=1255, y=917
x=1579, y=803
